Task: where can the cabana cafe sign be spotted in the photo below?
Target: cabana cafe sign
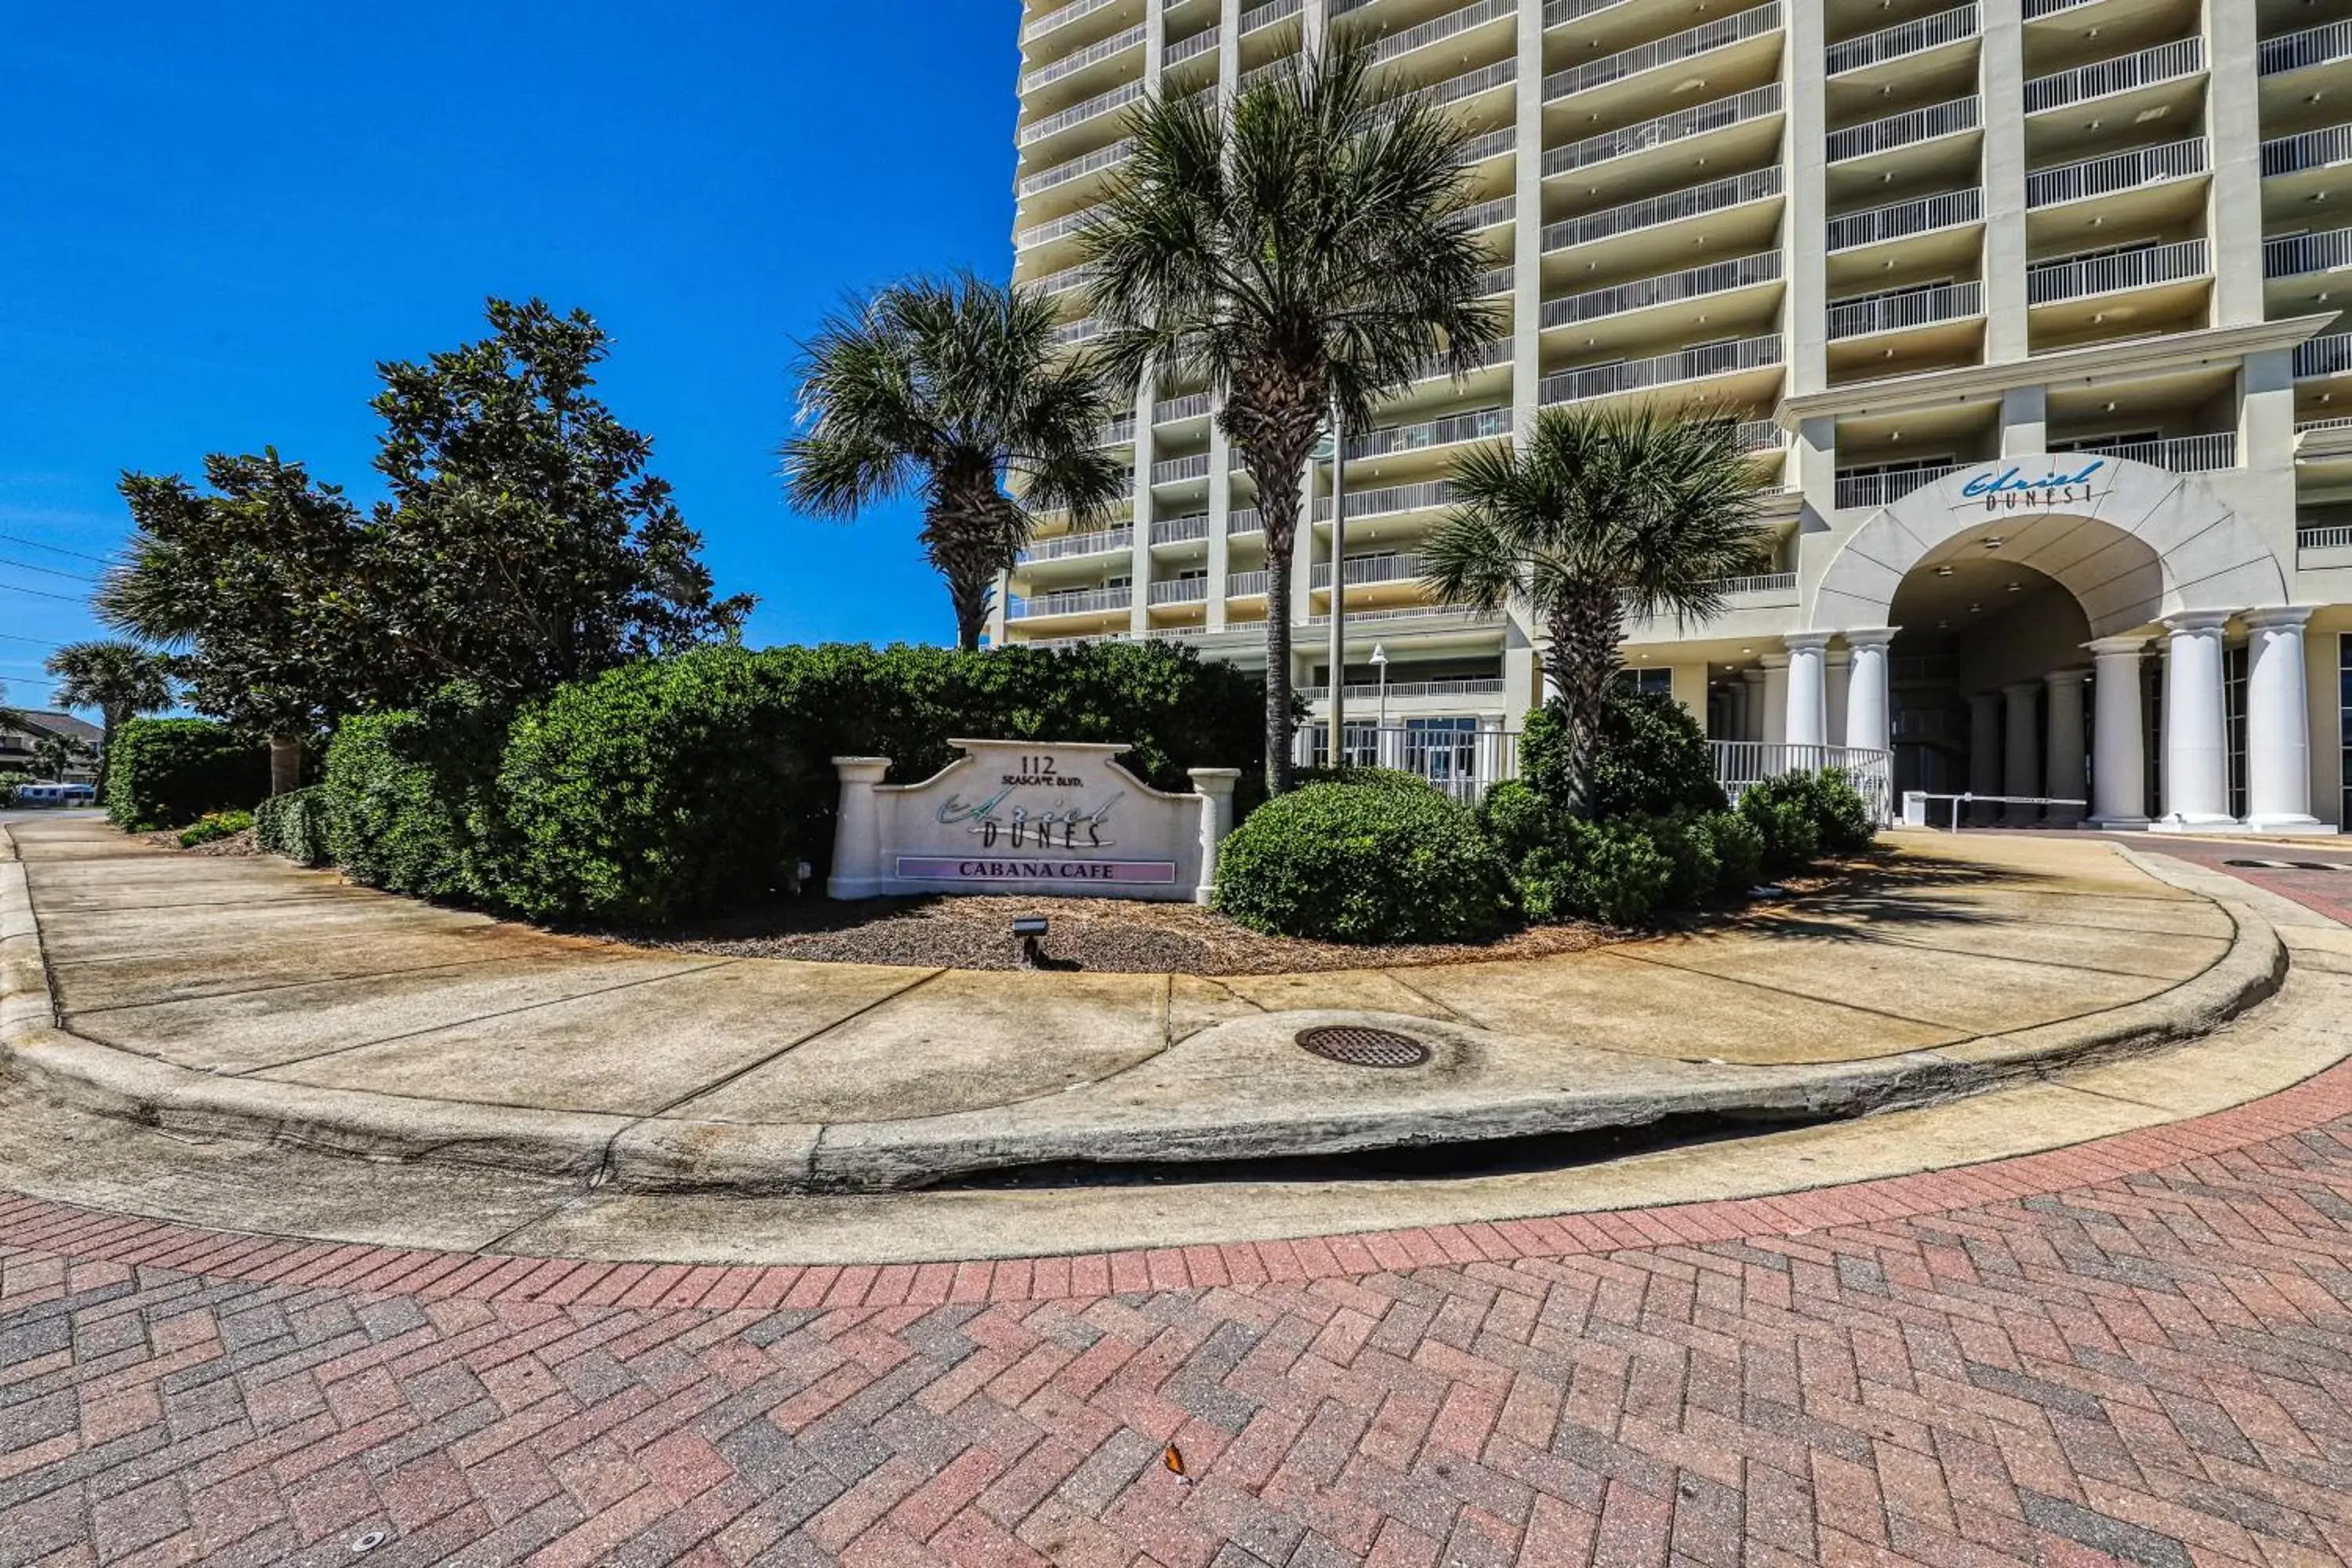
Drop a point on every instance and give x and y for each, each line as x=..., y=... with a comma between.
x=2066, y=481
x=1025, y=816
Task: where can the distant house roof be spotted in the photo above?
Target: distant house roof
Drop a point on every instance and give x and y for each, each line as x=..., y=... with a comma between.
x=45, y=722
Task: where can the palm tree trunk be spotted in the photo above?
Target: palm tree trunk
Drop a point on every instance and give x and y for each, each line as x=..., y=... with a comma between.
x=1278, y=769
x=971, y=599
x=1587, y=628
x=284, y=764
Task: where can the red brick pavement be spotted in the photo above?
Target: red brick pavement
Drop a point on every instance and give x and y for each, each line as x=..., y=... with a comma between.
x=2138, y=1351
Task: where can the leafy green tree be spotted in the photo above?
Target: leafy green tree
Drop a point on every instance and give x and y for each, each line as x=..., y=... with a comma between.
x=121, y=679
x=954, y=390
x=1303, y=244
x=55, y=756
x=1600, y=514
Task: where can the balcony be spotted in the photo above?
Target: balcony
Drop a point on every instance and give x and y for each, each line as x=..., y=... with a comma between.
x=1061, y=16
x=1494, y=354
x=1703, y=361
x=1365, y=570
x=1655, y=212
x=1071, y=64
x=2118, y=171
x=1645, y=294
x=1246, y=585
x=1901, y=220
x=1493, y=145
x=1181, y=529
x=2143, y=267
x=1487, y=686
x=1903, y=40
x=1069, y=547
x=1259, y=17
x=2308, y=539
x=1887, y=485
x=1906, y=130
x=1055, y=284
x=1200, y=45
x=1760, y=435
x=2180, y=454
x=1470, y=84
x=1070, y=333
x=1045, y=233
x=2300, y=255
x=1177, y=470
x=2126, y=73
x=1119, y=432
x=2318, y=46
x=1484, y=424
x=1391, y=502
x=1758, y=22
x=1487, y=215
x=1078, y=114
x=1181, y=591
x=2311, y=150
x=1451, y=26
x=1750, y=108
x=1244, y=520
x=2327, y=356
x=1903, y=309
x=1078, y=602
x=1061, y=175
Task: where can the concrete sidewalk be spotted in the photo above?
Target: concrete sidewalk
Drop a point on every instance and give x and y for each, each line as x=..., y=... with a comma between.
x=251, y=997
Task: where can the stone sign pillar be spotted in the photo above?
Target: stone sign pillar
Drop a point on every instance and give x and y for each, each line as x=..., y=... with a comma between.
x=1216, y=788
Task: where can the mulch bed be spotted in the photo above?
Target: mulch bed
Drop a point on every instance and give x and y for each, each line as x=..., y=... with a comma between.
x=241, y=843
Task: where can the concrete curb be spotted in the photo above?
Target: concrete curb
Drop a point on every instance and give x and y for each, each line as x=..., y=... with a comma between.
x=681, y=1155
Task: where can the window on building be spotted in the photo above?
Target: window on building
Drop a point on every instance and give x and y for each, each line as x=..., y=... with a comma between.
x=1659, y=682
x=1441, y=749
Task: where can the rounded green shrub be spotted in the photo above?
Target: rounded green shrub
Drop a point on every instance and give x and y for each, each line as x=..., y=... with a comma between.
x=1688, y=845
x=1845, y=818
x=1781, y=810
x=1518, y=819
x=1652, y=758
x=1377, y=862
x=1738, y=851
x=214, y=825
x=1607, y=871
x=167, y=773
x=295, y=824
x=407, y=796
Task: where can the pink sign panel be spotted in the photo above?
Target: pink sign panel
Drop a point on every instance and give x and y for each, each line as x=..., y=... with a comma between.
x=1012, y=869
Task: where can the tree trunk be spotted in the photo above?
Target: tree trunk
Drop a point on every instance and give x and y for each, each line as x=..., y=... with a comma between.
x=1587, y=626
x=284, y=764
x=1278, y=771
x=970, y=601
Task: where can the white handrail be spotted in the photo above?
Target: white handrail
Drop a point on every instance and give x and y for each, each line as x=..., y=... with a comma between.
x=1693, y=283
x=1705, y=37
x=2047, y=282
x=1756, y=104
x=2116, y=172
x=1950, y=118
x=1902, y=39
x=2100, y=79
x=1900, y=310
x=1758, y=185
x=1694, y=364
x=1923, y=215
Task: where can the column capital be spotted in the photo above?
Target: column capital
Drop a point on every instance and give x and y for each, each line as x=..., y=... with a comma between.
x=1806, y=642
x=2275, y=615
x=2197, y=621
x=1872, y=637
x=2019, y=690
x=2131, y=646
x=2061, y=677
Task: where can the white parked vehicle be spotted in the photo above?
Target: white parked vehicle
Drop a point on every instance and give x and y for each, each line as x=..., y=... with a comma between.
x=58, y=794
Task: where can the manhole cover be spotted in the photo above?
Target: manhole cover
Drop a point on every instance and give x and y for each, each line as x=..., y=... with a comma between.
x=1360, y=1048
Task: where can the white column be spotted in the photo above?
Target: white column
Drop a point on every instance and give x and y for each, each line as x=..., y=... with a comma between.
x=1776, y=699
x=857, y=830
x=2020, y=770
x=1869, y=703
x=1752, y=705
x=2063, y=694
x=2196, y=733
x=2001, y=87
x=1837, y=682
x=1984, y=751
x=1807, y=722
x=2119, y=746
x=2278, y=723
x=1216, y=788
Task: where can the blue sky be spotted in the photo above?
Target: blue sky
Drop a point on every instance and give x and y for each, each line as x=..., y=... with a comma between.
x=220, y=219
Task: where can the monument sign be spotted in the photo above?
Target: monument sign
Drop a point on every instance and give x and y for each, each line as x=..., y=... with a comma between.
x=1028, y=816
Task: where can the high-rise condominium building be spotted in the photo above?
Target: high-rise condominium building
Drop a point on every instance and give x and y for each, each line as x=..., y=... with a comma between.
x=2029, y=307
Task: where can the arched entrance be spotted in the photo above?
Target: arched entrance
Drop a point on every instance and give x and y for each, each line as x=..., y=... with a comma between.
x=2005, y=613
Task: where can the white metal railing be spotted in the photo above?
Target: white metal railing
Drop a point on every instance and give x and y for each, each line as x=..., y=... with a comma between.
x=1078, y=331
x=1191, y=405
x=1901, y=309
x=1903, y=130
x=1077, y=602
x=1079, y=59
x=2311, y=150
x=1763, y=583
x=1442, y=28
x=1756, y=104
x=1740, y=765
x=1107, y=542
x=2294, y=255
x=2037, y=9
x=2116, y=172
x=1470, y=84
x=2181, y=453
x=1203, y=42
x=1477, y=425
x=1062, y=16
x=1363, y=569
x=1102, y=103
x=2322, y=538
x=1902, y=39
x=1694, y=364
x=1370, y=690
x=1047, y=233
x=1267, y=14
x=1760, y=435
x=1389, y=502
x=1487, y=214
x=2100, y=79
x=1887, y=485
x=2329, y=355
x=1923, y=215
x=1055, y=284
x=2047, y=282
x=1246, y=585
x=2342, y=422
x=1493, y=145
x=1558, y=13
x=1411, y=613
x=1181, y=591
x=1464, y=763
x=1693, y=283
x=1721, y=33
x=1756, y=186
x=1245, y=519
x=1181, y=529
x=1435, y=368
x=2313, y=47
x=1168, y=471
x=1118, y=152
x=1119, y=432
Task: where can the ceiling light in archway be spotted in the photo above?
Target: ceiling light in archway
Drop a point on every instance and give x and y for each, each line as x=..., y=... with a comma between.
x=1943, y=571
x=2014, y=588
x=1994, y=541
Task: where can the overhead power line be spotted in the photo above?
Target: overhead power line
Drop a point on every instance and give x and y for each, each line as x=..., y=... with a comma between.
x=38, y=594
x=57, y=549
x=48, y=571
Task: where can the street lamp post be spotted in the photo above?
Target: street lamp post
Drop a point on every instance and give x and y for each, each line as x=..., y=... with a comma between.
x=1380, y=730
x=1339, y=584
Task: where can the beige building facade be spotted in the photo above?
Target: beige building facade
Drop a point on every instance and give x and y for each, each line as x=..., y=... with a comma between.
x=2028, y=308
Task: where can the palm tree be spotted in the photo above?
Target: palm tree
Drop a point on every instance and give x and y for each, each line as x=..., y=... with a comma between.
x=1303, y=245
x=1600, y=514
x=121, y=679
x=957, y=390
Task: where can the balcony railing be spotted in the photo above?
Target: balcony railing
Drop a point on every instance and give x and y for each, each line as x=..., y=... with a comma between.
x=1695, y=363
x=1062, y=282
x=1904, y=308
x=2330, y=355
x=1062, y=16
x=1756, y=104
x=1558, y=13
x=1172, y=470
x=2181, y=453
x=1721, y=33
x=2049, y=281
x=1203, y=42
x=1760, y=435
x=1047, y=233
x=1101, y=158
x=1903, y=130
x=1246, y=585
x=1077, y=60
x=1484, y=686
x=1181, y=529
x=1887, y=485
x=2323, y=539
x=1191, y=405
x=1364, y=569
x=1080, y=602
x=1693, y=283
x=1182, y=591
x=1470, y=84
x=1478, y=426
x=2116, y=172
x=1078, y=331
x=2165, y=62
x=2294, y=254
x=1488, y=358
x=1926, y=214
x=1108, y=542
x=1487, y=215
x=1390, y=501
x=1103, y=104
x=1267, y=14
x=2312, y=47
x=2341, y=422
x=1119, y=432
x=2037, y=9
x=1756, y=186
x=1904, y=38
x=1442, y=28
x=1493, y=145
x=2311, y=150
x=1245, y=519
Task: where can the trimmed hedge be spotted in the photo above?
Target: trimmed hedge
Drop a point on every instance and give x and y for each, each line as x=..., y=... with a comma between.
x=1801, y=816
x=1371, y=861
x=295, y=824
x=167, y=773
x=1652, y=759
x=408, y=797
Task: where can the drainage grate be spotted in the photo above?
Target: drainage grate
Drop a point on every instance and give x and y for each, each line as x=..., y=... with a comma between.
x=1360, y=1048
